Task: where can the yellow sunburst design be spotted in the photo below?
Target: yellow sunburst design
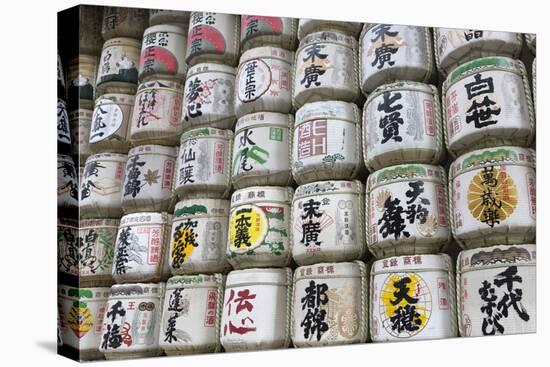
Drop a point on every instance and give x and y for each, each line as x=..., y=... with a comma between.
x=492, y=196
x=80, y=319
x=248, y=227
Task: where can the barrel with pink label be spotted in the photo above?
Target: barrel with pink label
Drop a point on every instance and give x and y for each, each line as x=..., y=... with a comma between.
x=213, y=37
x=163, y=52
x=257, y=31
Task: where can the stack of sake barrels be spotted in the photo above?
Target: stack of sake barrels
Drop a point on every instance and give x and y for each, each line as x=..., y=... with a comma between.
x=330, y=283
x=255, y=182
x=489, y=124
x=83, y=275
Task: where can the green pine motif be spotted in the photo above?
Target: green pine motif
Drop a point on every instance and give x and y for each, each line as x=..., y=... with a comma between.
x=282, y=232
x=105, y=238
x=276, y=248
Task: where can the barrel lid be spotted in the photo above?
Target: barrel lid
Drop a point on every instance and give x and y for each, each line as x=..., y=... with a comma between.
x=170, y=28
x=145, y=218
x=483, y=64
x=137, y=290
x=328, y=36
x=264, y=118
x=119, y=98
x=257, y=194
x=81, y=113
x=174, y=85
x=328, y=188
x=83, y=294
x=210, y=67
x=496, y=256
x=399, y=264
x=153, y=149
x=404, y=172
x=201, y=207
x=97, y=223
x=115, y=157
x=307, y=26
x=206, y=132
x=354, y=269
x=273, y=276
x=501, y=156
x=267, y=52
x=122, y=41
x=405, y=86
x=195, y=281
x=328, y=110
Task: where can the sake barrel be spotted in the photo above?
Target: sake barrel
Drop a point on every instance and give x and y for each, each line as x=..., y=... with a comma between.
x=307, y=26
x=156, y=114
x=81, y=80
x=80, y=122
x=256, y=310
x=487, y=103
x=257, y=31
x=139, y=248
x=213, y=37
x=407, y=210
x=493, y=197
x=330, y=304
x=496, y=290
x=117, y=70
x=148, y=178
x=328, y=222
x=191, y=314
x=413, y=298
x=81, y=312
x=63, y=129
x=89, y=29
x=327, y=142
x=531, y=41
x=68, y=247
x=204, y=163
x=199, y=236
x=259, y=227
x=67, y=183
x=261, y=150
x=131, y=325
x=123, y=22
x=61, y=92
x=111, y=122
x=402, y=124
x=326, y=67
x=391, y=52
x=101, y=186
x=534, y=84
x=457, y=46
x=163, y=52
x=263, y=81
x=209, y=96
x=97, y=246
x=163, y=16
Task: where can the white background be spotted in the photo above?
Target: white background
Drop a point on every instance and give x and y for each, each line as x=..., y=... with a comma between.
x=28, y=182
